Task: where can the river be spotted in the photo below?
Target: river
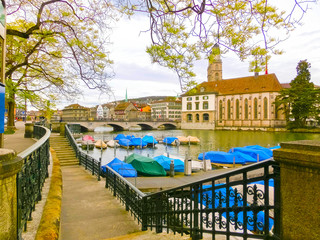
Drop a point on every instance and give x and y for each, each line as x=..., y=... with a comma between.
x=210, y=141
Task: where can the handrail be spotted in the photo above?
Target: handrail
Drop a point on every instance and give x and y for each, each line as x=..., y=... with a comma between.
x=31, y=177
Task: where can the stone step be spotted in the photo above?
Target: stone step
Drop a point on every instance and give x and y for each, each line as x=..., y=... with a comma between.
x=150, y=235
x=64, y=151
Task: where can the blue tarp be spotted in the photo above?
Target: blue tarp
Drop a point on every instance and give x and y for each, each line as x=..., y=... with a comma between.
x=119, y=136
x=251, y=152
x=124, y=169
x=258, y=147
x=245, y=157
x=169, y=140
x=129, y=137
x=275, y=147
x=149, y=139
x=125, y=142
x=222, y=157
x=166, y=161
x=138, y=142
x=221, y=192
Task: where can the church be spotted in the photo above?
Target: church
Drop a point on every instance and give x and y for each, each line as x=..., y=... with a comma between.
x=244, y=103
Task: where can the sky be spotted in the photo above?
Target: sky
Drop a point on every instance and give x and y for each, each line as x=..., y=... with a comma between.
x=140, y=78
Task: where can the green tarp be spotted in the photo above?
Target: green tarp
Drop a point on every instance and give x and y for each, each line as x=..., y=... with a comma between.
x=145, y=166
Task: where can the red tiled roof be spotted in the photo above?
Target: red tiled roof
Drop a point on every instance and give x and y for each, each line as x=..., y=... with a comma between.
x=251, y=84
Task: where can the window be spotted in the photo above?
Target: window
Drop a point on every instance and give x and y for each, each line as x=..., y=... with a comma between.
x=237, y=109
x=217, y=76
x=189, y=118
x=205, y=105
x=205, y=97
x=197, y=117
x=189, y=98
x=205, y=117
x=229, y=109
x=246, y=109
x=265, y=108
x=220, y=110
x=189, y=106
x=197, y=106
x=255, y=107
x=197, y=98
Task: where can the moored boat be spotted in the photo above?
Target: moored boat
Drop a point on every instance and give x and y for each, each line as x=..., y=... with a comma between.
x=87, y=138
x=193, y=140
x=222, y=159
x=87, y=145
x=112, y=144
x=145, y=166
x=100, y=144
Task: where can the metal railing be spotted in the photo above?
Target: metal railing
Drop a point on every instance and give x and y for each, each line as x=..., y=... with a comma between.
x=243, y=203
x=31, y=177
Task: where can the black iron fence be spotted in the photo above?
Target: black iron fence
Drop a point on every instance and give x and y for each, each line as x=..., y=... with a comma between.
x=243, y=203
x=31, y=177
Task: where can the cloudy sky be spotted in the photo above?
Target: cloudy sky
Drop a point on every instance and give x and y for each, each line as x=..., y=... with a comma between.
x=135, y=72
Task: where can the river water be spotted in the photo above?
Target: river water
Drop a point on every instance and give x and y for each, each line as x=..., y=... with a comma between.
x=210, y=141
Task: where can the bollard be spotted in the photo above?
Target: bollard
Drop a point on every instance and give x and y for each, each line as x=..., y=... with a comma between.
x=187, y=167
x=172, y=169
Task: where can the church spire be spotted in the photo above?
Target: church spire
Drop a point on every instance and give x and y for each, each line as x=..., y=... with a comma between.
x=215, y=64
x=126, y=100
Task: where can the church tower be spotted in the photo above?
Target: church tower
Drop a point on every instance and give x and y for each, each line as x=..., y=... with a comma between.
x=215, y=65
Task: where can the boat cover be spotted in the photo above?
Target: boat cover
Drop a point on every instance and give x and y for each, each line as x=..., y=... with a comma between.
x=275, y=147
x=149, y=139
x=266, y=150
x=138, y=142
x=166, y=161
x=119, y=136
x=146, y=166
x=125, y=142
x=251, y=152
x=129, y=137
x=169, y=140
x=223, y=204
x=221, y=157
x=87, y=138
x=124, y=169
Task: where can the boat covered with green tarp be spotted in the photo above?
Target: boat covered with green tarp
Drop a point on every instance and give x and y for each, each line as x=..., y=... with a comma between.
x=145, y=166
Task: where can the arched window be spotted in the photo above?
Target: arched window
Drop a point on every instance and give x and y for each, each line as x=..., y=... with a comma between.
x=189, y=117
x=229, y=109
x=246, y=109
x=217, y=76
x=237, y=109
x=265, y=108
x=197, y=117
x=220, y=109
x=255, y=107
x=205, y=117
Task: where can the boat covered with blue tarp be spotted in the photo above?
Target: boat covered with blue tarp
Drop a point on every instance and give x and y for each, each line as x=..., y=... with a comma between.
x=125, y=142
x=150, y=140
x=130, y=137
x=274, y=147
x=221, y=157
x=170, y=140
x=258, y=147
x=233, y=202
x=166, y=161
x=124, y=169
x=254, y=153
x=145, y=166
x=120, y=136
x=138, y=142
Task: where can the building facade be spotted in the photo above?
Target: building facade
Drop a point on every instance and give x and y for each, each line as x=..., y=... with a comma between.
x=166, y=110
x=75, y=112
x=238, y=103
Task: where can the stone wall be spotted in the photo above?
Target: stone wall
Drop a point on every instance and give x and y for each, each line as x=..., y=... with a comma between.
x=299, y=191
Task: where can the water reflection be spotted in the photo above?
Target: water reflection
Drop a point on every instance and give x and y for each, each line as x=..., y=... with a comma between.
x=210, y=141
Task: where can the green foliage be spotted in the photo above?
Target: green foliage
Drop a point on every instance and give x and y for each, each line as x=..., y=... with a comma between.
x=300, y=100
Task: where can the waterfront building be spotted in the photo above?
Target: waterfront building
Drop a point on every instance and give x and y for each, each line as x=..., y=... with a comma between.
x=238, y=103
x=75, y=112
x=168, y=109
x=125, y=111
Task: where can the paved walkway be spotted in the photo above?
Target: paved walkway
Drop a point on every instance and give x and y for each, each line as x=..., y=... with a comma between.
x=89, y=211
x=17, y=141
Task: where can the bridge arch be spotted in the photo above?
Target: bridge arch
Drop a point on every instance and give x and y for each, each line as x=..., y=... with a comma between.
x=145, y=126
x=116, y=127
x=168, y=126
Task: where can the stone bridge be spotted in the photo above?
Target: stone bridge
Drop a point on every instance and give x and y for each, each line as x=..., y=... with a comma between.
x=125, y=125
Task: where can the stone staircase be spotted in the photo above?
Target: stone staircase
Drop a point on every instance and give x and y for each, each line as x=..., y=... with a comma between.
x=63, y=149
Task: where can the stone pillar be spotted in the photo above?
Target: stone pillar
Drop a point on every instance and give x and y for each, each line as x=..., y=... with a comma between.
x=299, y=191
x=28, y=130
x=62, y=128
x=10, y=165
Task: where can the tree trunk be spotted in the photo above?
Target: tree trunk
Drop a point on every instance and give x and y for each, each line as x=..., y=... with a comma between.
x=11, y=106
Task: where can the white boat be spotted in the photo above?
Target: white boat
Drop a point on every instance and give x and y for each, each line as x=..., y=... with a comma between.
x=113, y=143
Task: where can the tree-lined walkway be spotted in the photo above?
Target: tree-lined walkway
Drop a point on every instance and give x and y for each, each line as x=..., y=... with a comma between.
x=89, y=211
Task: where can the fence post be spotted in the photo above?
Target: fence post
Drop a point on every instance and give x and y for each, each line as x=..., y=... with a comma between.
x=114, y=185
x=107, y=175
x=92, y=162
x=39, y=177
x=195, y=231
x=10, y=166
x=127, y=197
x=99, y=169
x=144, y=216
